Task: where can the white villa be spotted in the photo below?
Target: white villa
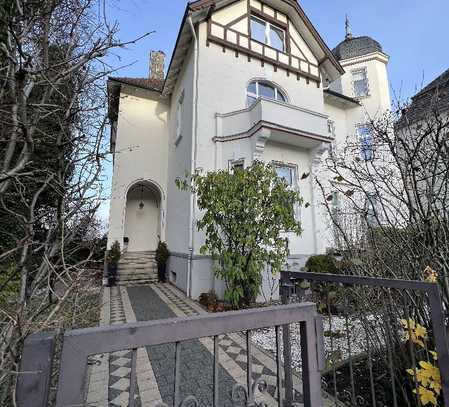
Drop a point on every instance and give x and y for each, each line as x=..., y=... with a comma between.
x=248, y=79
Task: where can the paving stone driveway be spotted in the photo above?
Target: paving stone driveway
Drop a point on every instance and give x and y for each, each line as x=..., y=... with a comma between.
x=110, y=377
x=196, y=360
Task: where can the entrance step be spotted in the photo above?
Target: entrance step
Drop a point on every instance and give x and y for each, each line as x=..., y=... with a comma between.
x=137, y=268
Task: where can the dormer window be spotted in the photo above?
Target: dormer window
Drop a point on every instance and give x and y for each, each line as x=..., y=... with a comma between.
x=267, y=33
x=267, y=90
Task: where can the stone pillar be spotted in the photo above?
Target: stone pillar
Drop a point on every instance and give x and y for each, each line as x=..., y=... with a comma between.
x=157, y=61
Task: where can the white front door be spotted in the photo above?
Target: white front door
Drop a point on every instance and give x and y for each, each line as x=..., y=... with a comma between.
x=142, y=220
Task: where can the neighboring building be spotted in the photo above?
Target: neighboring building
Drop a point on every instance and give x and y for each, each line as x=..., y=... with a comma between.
x=424, y=129
x=248, y=80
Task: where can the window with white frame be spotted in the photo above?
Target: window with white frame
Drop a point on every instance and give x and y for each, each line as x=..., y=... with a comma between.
x=366, y=141
x=179, y=109
x=289, y=175
x=267, y=33
x=263, y=89
x=372, y=209
x=235, y=165
x=360, y=83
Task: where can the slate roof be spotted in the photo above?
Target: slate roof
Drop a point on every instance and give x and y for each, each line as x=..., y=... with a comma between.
x=441, y=82
x=355, y=47
x=144, y=83
x=431, y=99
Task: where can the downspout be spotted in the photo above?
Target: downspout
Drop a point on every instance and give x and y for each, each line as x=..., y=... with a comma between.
x=193, y=157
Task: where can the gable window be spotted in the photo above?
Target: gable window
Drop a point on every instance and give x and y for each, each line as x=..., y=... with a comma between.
x=366, y=142
x=267, y=33
x=257, y=89
x=360, y=83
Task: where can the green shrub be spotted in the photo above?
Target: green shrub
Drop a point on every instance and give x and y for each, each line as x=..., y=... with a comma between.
x=114, y=254
x=321, y=263
x=162, y=253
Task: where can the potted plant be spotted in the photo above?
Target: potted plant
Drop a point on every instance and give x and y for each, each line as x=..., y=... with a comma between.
x=112, y=262
x=162, y=255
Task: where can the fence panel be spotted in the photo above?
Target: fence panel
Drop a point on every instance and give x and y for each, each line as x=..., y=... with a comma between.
x=385, y=340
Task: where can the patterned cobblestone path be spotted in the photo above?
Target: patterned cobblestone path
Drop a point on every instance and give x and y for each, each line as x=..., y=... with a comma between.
x=196, y=359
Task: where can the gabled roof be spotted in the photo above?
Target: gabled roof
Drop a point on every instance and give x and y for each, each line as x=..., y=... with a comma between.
x=144, y=83
x=199, y=10
x=441, y=81
x=433, y=98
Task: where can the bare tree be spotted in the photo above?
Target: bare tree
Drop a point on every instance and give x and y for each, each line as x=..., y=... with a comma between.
x=388, y=201
x=52, y=126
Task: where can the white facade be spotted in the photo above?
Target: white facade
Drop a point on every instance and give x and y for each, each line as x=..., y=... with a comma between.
x=200, y=118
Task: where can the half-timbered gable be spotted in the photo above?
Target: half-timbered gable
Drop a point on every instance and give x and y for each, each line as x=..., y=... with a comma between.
x=263, y=32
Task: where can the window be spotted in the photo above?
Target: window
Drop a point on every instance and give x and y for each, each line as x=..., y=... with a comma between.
x=257, y=89
x=360, y=83
x=267, y=33
x=237, y=165
x=366, y=142
x=286, y=173
x=372, y=209
x=178, y=135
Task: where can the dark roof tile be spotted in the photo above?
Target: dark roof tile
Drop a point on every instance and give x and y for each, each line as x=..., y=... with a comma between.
x=355, y=47
x=145, y=83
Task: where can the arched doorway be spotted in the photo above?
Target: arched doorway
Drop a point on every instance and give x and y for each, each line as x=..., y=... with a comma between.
x=142, y=217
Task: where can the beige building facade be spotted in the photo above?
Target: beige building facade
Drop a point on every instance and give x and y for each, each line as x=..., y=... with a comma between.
x=248, y=80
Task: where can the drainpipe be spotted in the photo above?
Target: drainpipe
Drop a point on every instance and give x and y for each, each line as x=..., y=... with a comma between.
x=193, y=157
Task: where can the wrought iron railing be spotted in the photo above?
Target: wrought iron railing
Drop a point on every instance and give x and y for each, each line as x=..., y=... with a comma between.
x=385, y=340
x=79, y=345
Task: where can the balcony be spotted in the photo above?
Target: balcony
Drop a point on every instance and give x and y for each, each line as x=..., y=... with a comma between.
x=276, y=121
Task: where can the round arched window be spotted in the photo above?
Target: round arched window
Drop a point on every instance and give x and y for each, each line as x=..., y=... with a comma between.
x=257, y=89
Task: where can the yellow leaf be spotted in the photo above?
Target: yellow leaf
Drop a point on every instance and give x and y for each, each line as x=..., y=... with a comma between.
x=434, y=354
x=420, y=331
x=427, y=396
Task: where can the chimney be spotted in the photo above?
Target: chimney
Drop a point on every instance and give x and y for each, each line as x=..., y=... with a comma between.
x=157, y=61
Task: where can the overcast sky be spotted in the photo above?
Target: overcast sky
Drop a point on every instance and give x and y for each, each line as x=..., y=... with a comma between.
x=414, y=33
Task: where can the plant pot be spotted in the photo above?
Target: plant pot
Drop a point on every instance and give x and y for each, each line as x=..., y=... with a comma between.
x=161, y=270
x=112, y=275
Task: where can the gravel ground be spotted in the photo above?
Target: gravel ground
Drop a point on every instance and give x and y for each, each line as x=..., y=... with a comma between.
x=335, y=339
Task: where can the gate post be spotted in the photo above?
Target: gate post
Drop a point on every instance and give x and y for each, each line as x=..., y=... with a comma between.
x=33, y=383
x=286, y=342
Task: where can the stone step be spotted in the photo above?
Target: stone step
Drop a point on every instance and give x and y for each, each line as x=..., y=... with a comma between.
x=139, y=254
x=138, y=273
x=137, y=260
x=137, y=268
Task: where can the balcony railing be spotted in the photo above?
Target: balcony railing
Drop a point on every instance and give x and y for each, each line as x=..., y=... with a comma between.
x=287, y=123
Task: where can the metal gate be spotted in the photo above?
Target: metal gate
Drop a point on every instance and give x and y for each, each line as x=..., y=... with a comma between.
x=78, y=345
